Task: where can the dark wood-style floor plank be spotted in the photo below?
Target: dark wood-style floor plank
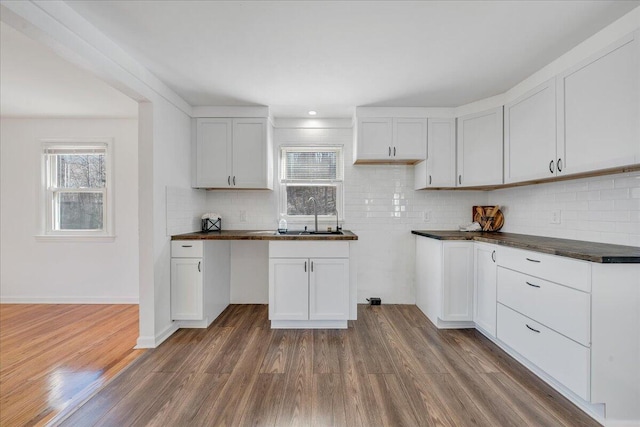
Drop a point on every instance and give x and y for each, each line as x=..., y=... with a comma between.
x=391, y=367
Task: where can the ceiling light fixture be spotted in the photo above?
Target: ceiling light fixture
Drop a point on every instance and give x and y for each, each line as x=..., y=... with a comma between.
x=312, y=113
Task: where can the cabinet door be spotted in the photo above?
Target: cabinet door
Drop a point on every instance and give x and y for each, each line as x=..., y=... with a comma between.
x=250, y=151
x=441, y=153
x=599, y=110
x=457, y=289
x=410, y=140
x=480, y=149
x=429, y=277
x=329, y=289
x=530, y=135
x=484, y=312
x=375, y=139
x=186, y=289
x=289, y=289
x=213, y=153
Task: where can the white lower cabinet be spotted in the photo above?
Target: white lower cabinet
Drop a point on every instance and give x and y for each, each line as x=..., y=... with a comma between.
x=484, y=308
x=309, y=291
x=563, y=359
x=186, y=289
x=444, y=281
x=200, y=278
x=573, y=323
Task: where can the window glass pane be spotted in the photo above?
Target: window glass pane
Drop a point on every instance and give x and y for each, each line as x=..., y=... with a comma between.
x=310, y=164
x=80, y=211
x=298, y=199
x=81, y=171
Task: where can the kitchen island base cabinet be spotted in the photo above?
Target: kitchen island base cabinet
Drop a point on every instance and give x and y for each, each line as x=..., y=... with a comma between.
x=200, y=277
x=444, y=282
x=309, y=285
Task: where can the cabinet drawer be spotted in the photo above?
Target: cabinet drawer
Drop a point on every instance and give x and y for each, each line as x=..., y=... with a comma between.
x=563, y=359
x=569, y=272
x=309, y=249
x=187, y=249
x=560, y=308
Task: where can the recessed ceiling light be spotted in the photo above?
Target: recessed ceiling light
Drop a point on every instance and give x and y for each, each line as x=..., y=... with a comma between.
x=312, y=113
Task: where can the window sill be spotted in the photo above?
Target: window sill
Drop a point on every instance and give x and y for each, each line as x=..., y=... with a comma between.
x=74, y=239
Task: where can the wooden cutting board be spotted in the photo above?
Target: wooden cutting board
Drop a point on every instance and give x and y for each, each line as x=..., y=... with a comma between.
x=490, y=218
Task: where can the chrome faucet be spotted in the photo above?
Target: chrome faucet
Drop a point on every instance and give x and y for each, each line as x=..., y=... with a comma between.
x=315, y=212
x=337, y=222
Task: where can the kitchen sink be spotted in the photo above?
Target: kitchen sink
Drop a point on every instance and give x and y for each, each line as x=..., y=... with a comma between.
x=308, y=233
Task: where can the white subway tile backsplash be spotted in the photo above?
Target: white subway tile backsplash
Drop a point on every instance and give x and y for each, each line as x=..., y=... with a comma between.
x=611, y=213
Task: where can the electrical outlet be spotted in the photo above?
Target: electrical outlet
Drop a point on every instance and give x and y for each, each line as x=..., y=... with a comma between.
x=427, y=216
x=555, y=217
x=243, y=216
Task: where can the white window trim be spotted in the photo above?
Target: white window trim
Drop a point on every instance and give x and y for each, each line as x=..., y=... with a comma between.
x=46, y=233
x=282, y=184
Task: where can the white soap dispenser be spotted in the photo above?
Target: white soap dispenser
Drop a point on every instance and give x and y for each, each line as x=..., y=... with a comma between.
x=282, y=225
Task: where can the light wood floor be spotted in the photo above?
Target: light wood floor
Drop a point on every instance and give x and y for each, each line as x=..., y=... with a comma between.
x=53, y=356
x=390, y=368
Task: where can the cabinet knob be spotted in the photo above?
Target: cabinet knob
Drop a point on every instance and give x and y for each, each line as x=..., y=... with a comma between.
x=559, y=165
x=551, y=169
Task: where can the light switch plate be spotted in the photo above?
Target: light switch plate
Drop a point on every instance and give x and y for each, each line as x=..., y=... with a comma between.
x=427, y=216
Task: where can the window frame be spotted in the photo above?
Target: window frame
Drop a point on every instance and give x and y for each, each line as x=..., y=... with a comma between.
x=49, y=211
x=284, y=182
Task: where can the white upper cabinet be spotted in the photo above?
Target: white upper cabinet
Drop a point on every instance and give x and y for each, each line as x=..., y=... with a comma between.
x=390, y=140
x=480, y=149
x=233, y=153
x=530, y=135
x=599, y=110
x=439, y=170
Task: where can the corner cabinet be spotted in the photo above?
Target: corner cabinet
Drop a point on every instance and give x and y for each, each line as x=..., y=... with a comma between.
x=233, y=154
x=599, y=110
x=480, y=149
x=444, y=282
x=439, y=170
x=390, y=140
x=200, y=276
x=309, y=284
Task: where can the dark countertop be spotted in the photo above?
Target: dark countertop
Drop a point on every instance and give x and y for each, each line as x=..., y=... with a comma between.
x=261, y=235
x=578, y=249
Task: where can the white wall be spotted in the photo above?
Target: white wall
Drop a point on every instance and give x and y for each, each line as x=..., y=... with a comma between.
x=600, y=209
x=53, y=271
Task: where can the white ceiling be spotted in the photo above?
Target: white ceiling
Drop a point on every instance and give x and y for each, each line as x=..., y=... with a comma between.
x=333, y=55
x=35, y=82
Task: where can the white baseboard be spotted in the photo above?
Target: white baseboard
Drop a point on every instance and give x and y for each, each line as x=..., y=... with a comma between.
x=68, y=300
x=153, y=342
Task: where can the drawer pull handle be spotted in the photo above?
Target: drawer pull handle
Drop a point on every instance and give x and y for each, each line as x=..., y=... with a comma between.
x=199, y=263
x=305, y=266
x=187, y=246
x=531, y=284
x=534, y=330
x=533, y=260
x=493, y=256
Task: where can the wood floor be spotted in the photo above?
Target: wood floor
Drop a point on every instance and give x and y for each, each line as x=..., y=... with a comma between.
x=54, y=356
x=390, y=368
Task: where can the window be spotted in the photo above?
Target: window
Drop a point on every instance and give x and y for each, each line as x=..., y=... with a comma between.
x=77, y=189
x=306, y=172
